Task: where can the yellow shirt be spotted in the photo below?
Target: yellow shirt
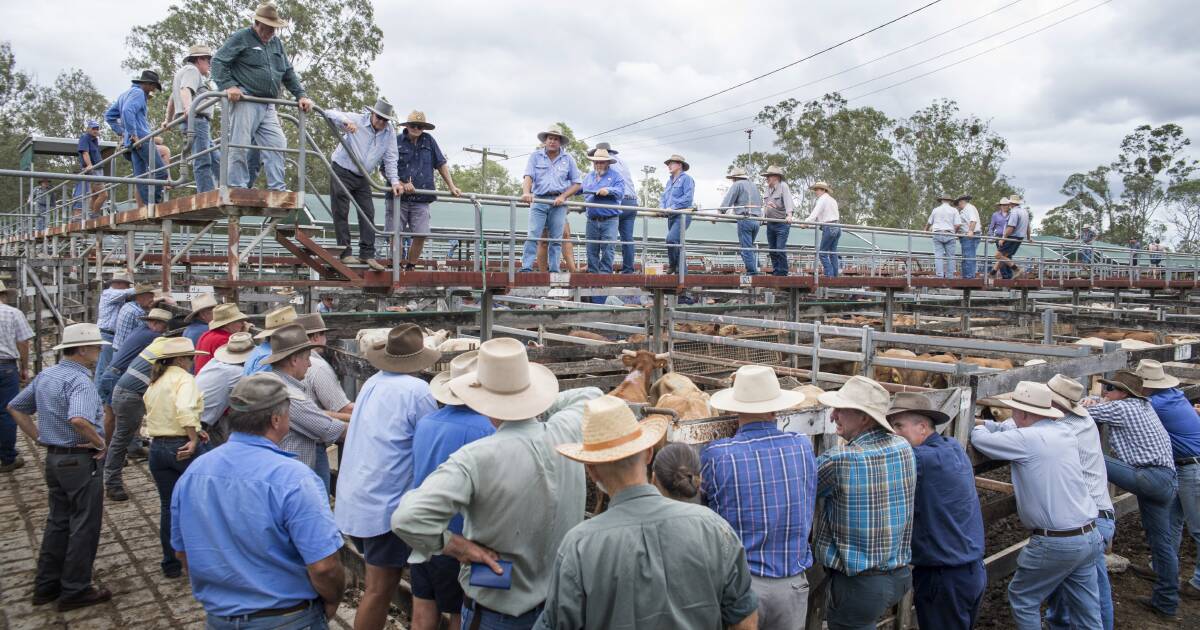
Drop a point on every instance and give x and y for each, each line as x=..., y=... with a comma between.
x=173, y=403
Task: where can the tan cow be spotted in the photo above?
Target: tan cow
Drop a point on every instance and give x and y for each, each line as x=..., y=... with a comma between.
x=887, y=374
x=679, y=394
x=636, y=386
x=587, y=334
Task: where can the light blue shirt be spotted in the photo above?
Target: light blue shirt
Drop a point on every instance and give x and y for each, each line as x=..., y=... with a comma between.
x=608, y=205
x=57, y=394
x=111, y=301
x=215, y=381
x=439, y=435
x=551, y=176
x=250, y=519
x=626, y=177
x=679, y=192
x=377, y=462
x=254, y=363
x=195, y=330
x=127, y=115
x=371, y=147
x=740, y=195
x=128, y=322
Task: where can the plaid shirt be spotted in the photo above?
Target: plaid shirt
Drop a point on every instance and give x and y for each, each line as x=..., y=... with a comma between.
x=868, y=486
x=1135, y=433
x=111, y=301
x=322, y=386
x=310, y=427
x=127, y=322
x=14, y=328
x=764, y=482
x=58, y=394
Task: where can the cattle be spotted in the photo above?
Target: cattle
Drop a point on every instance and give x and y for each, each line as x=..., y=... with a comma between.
x=679, y=394
x=636, y=338
x=728, y=330
x=887, y=374
x=998, y=364
x=697, y=328
x=461, y=344
x=935, y=380
x=1117, y=335
x=636, y=386
x=435, y=339
x=587, y=334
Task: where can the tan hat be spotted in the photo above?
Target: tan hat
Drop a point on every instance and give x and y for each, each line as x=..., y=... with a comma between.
x=403, y=351
x=202, y=301
x=258, y=392
x=236, y=350
x=139, y=289
x=552, y=130
x=1004, y=201
x=121, y=276
x=737, y=172
x=268, y=14
x=863, y=394
x=275, y=318
x=440, y=385
x=611, y=432
x=505, y=385
x=601, y=155
x=80, y=335
x=773, y=169
x=313, y=323
x=675, y=157
x=226, y=314
x=821, y=186
x=157, y=315
x=1067, y=392
x=418, y=118
x=945, y=197
x=198, y=50
x=1015, y=200
x=912, y=402
x=1031, y=397
x=1154, y=376
x=755, y=390
x=178, y=347
x=1126, y=381
x=286, y=341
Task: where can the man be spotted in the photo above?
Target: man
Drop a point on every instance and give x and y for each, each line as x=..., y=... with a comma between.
x=69, y=424
x=1087, y=235
x=274, y=318
x=378, y=463
x=825, y=210
x=89, y=157
x=288, y=573
x=1144, y=465
x=1182, y=425
x=868, y=485
x=252, y=62
x=226, y=321
x=190, y=80
x=745, y=201
x=1134, y=246
x=968, y=241
x=14, y=372
x=326, y=304
x=999, y=218
x=550, y=172
x=763, y=481
x=370, y=136
x=646, y=535
x=1016, y=230
x=198, y=318
x=1156, y=250
x=320, y=382
x=521, y=515
x=604, y=188
x=947, y=535
x=944, y=221
x=127, y=118
x=419, y=156
x=129, y=316
x=42, y=199
x=1053, y=501
x=628, y=218
x=223, y=374
x=435, y=586
x=111, y=300
x=677, y=195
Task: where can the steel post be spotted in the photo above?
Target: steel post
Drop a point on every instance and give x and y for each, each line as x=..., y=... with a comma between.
x=657, y=317
x=233, y=244
x=166, y=255
x=486, y=315
x=1048, y=319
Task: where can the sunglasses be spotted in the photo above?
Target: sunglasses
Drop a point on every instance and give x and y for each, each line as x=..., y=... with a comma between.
x=413, y=126
x=1110, y=388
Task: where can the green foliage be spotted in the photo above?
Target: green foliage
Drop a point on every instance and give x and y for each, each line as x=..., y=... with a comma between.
x=576, y=148
x=1091, y=200
x=467, y=179
x=650, y=191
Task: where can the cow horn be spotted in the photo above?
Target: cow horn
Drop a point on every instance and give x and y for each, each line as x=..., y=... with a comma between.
x=665, y=355
x=630, y=353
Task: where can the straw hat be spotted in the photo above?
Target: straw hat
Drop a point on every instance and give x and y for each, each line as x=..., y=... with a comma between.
x=603, y=145
x=755, y=390
x=552, y=130
x=1004, y=201
x=675, y=157
x=773, y=169
x=286, y=341
x=440, y=385
x=418, y=118
x=1153, y=376
x=144, y=288
x=80, y=335
x=383, y=109
x=1067, y=392
x=611, y=433
x=912, y=402
x=863, y=394
x=403, y=351
x=202, y=301
x=226, y=314
x=313, y=323
x=157, y=315
x=945, y=197
x=1126, y=381
x=268, y=14
x=505, y=385
x=274, y=319
x=821, y=186
x=178, y=347
x=601, y=155
x=737, y=172
x=237, y=350
x=1032, y=397
x=198, y=50
x=1015, y=200
x=121, y=276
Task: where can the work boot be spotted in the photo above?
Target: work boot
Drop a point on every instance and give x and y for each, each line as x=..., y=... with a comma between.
x=116, y=494
x=376, y=265
x=1187, y=591
x=94, y=595
x=350, y=259
x=41, y=599
x=13, y=465
x=1145, y=602
x=1146, y=573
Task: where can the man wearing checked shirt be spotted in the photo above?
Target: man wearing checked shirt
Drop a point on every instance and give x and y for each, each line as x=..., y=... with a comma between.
x=111, y=300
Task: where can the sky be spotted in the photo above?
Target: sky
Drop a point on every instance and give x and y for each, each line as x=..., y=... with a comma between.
x=494, y=74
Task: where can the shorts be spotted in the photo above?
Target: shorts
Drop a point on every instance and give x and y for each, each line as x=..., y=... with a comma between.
x=414, y=217
x=1010, y=246
x=438, y=580
x=385, y=550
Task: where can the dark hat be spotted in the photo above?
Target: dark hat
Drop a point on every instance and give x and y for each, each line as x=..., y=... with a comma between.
x=911, y=402
x=149, y=76
x=313, y=323
x=404, y=351
x=963, y=198
x=602, y=145
x=1126, y=381
x=383, y=109
x=257, y=392
x=288, y=340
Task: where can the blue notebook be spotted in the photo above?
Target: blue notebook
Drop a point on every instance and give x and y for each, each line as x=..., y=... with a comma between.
x=483, y=576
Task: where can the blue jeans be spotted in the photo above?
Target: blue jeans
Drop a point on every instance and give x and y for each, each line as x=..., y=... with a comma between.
x=10, y=386
x=543, y=216
x=831, y=263
x=777, y=238
x=1066, y=565
x=1057, y=614
x=312, y=618
x=675, y=227
x=321, y=466
x=106, y=355
x=625, y=227
x=167, y=470
x=747, y=231
x=257, y=124
x=969, y=245
x=600, y=256
x=1155, y=488
x=104, y=387
x=141, y=157
x=204, y=167
x=943, y=255
x=1186, y=509
x=490, y=620
x=949, y=597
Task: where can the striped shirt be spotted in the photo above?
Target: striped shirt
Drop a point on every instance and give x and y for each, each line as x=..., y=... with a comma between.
x=127, y=322
x=111, y=301
x=14, y=328
x=322, y=386
x=215, y=381
x=56, y=395
x=764, y=482
x=868, y=485
x=310, y=429
x=1091, y=456
x=1135, y=433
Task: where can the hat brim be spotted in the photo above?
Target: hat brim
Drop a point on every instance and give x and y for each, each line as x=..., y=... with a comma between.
x=147, y=318
x=81, y=344
x=938, y=417
x=838, y=401
x=423, y=125
x=819, y=188
x=591, y=152
x=1045, y=412
x=653, y=430
x=224, y=355
x=391, y=118
x=542, y=136
x=276, y=357
x=439, y=387
x=1166, y=382
x=1122, y=386
x=738, y=176
x=602, y=159
x=192, y=315
x=215, y=324
x=154, y=83
x=1066, y=403
x=404, y=364
x=685, y=165
x=523, y=405
x=270, y=22
x=264, y=334
x=725, y=401
x=176, y=355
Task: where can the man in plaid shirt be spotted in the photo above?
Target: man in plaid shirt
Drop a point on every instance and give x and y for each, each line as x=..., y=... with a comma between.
x=128, y=317
x=865, y=529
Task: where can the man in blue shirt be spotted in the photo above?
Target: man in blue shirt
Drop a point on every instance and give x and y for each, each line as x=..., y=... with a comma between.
x=550, y=172
x=111, y=300
x=763, y=481
x=628, y=218
x=746, y=202
x=605, y=188
x=127, y=117
x=677, y=196
x=273, y=320
x=252, y=525
x=947, y=540
x=419, y=156
x=89, y=157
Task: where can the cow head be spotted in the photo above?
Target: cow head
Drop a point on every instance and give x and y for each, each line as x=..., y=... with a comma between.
x=643, y=361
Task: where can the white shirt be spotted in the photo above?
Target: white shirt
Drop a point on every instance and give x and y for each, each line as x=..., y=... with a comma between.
x=968, y=215
x=825, y=210
x=215, y=381
x=944, y=219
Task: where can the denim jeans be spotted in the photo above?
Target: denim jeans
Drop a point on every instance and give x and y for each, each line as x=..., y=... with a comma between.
x=490, y=620
x=543, y=216
x=969, y=245
x=949, y=596
x=777, y=238
x=600, y=256
x=747, y=231
x=1066, y=565
x=128, y=411
x=106, y=355
x=257, y=124
x=204, y=167
x=675, y=229
x=10, y=386
x=625, y=227
x=943, y=255
x=1058, y=616
x=312, y=618
x=831, y=262
x=1186, y=509
x=166, y=470
x=141, y=157
x=1155, y=488
x=321, y=466
x=106, y=384
x=856, y=603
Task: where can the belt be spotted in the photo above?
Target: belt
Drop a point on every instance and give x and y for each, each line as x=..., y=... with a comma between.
x=105, y=330
x=345, y=170
x=1108, y=514
x=1187, y=461
x=476, y=608
x=872, y=572
x=277, y=612
x=7, y=360
x=69, y=450
x=1064, y=533
x=168, y=438
x=549, y=194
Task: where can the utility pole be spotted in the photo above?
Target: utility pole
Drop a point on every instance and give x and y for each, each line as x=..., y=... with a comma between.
x=483, y=166
x=749, y=155
x=647, y=171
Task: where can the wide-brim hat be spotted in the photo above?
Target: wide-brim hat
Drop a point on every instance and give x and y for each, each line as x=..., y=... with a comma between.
x=912, y=402
x=603, y=145
x=552, y=130
x=601, y=155
x=1004, y=201
x=157, y=315
x=612, y=433
x=121, y=276
x=675, y=157
x=439, y=386
x=1127, y=382
x=178, y=347
x=226, y=314
x=773, y=169
x=288, y=340
x=945, y=197
x=1154, y=376
x=1030, y=397
x=275, y=318
x=202, y=301
x=821, y=186
x=863, y=394
x=1015, y=200
x=383, y=109
x=148, y=76
x=80, y=335
x=139, y=289
x=737, y=172
x=417, y=118
x=505, y=384
x=313, y=323
x=755, y=390
x=4, y=288
x=239, y=348
x=198, y=50
x=403, y=351
x=268, y=14
x=963, y=198
x=1067, y=392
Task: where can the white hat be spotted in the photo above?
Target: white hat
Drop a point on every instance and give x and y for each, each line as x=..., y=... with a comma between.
x=863, y=394
x=611, y=433
x=236, y=350
x=178, y=347
x=439, y=386
x=1032, y=397
x=505, y=385
x=755, y=390
x=202, y=301
x=1067, y=392
x=1154, y=376
x=80, y=335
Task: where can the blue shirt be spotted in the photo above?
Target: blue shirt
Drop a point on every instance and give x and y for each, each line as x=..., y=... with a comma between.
x=134, y=343
x=57, y=394
x=111, y=301
x=377, y=462
x=417, y=162
x=90, y=145
x=763, y=481
x=127, y=114
x=254, y=362
x=593, y=182
x=128, y=321
x=251, y=518
x=1180, y=420
x=195, y=330
x=743, y=193
x=947, y=522
x=441, y=433
x=626, y=177
x=551, y=177
x=372, y=147
x=679, y=192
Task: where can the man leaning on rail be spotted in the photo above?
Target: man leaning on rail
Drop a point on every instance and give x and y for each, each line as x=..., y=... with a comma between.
x=746, y=202
x=190, y=80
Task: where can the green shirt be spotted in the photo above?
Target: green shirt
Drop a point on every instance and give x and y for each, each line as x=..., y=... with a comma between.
x=245, y=61
x=649, y=562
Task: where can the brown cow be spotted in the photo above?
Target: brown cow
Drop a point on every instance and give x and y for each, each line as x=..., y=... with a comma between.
x=636, y=386
x=999, y=364
x=935, y=380
x=728, y=330
x=1144, y=335
x=887, y=374
x=636, y=338
x=587, y=334
x=678, y=393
